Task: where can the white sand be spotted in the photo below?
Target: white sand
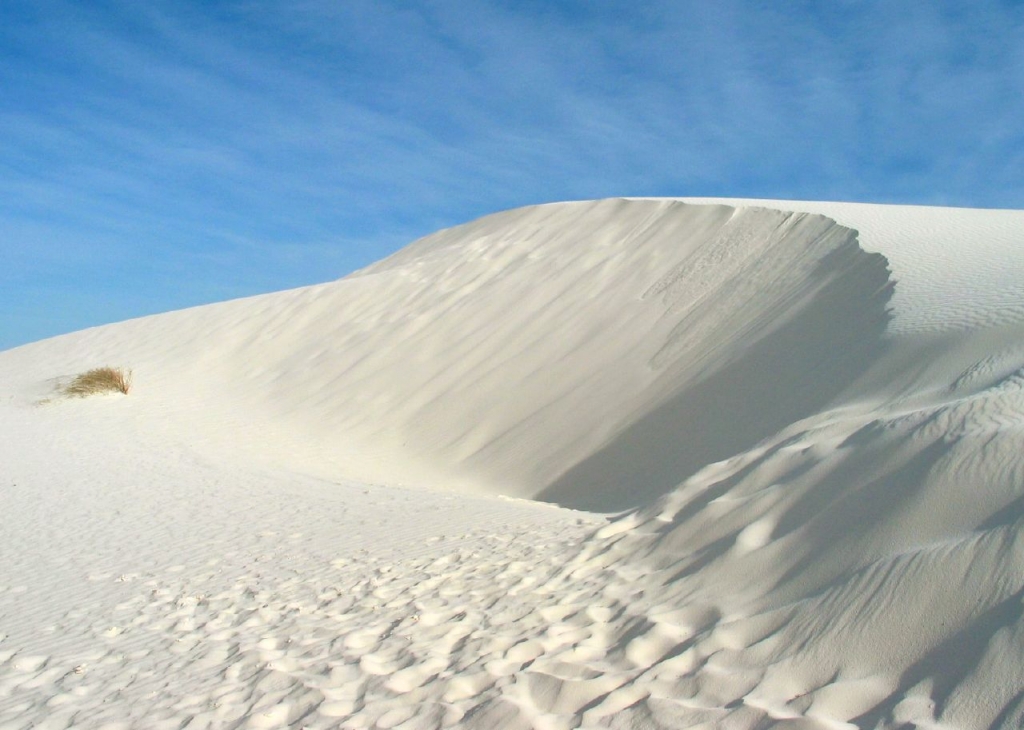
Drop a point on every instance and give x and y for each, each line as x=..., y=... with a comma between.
x=814, y=422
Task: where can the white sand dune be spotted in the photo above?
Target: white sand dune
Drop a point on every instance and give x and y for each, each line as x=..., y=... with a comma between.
x=808, y=419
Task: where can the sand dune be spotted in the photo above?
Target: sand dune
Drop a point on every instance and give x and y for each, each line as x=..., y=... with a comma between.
x=807, y=417
x=532, y=353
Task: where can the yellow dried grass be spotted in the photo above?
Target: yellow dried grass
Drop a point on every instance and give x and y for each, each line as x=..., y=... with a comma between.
x=100, y=380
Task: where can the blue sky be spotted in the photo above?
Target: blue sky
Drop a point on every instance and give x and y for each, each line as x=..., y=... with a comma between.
x=161, y=154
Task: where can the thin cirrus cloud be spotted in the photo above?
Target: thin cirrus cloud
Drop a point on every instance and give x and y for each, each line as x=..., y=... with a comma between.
x=159, y=155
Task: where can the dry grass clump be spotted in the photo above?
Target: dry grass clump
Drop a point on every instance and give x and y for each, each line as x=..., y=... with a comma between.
x=100, y=380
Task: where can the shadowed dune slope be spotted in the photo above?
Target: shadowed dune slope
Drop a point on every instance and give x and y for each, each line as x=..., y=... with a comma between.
x=791, y=353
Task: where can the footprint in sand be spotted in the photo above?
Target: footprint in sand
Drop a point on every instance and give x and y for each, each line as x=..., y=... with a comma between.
x=465, y=686
x=29, y=662
x=415, y=675
x=383, y=664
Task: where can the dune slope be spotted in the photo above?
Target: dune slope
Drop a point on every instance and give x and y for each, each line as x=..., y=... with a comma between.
x=537, y=352
x=808, y=416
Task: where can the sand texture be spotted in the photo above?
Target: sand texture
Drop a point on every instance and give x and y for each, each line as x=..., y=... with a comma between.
x=609, y=464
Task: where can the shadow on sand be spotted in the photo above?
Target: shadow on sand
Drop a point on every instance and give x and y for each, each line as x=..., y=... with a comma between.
x=828, y=340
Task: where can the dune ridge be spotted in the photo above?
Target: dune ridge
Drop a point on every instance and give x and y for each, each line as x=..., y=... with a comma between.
x=505, y=356
x=808, y=418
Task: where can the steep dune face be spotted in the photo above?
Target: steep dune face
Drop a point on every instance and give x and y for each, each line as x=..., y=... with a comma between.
x=591, y=354
x=743, y=363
